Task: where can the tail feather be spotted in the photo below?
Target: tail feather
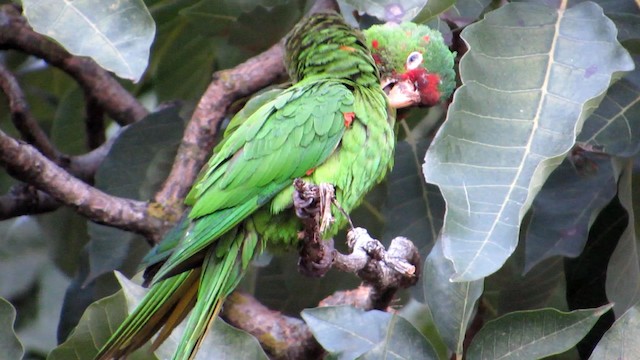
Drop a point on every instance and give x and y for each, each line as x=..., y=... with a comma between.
x=221, y=273
x=149, y=316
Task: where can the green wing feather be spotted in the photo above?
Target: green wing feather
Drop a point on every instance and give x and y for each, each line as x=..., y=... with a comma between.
x=256, y=161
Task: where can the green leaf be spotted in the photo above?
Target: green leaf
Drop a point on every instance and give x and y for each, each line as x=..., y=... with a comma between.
x=463, y=13
x=613, y=128
x=389, y=10
x=567, y=205
x=96, y=325
x=349, y=333
x=39, y=335
x=222, y=342
x=533, y=334
x=279, y=285
x=452, y=304
x=23, y=253
x=432, y=9
x=621, y=340
x=414, y=209
x=9, y=342
x=623, y=271
x=117, y=34
x=536, y=95
x=136, y=165
x=68, y=128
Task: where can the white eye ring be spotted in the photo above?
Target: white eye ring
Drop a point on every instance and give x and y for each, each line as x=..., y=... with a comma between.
x=414, y=60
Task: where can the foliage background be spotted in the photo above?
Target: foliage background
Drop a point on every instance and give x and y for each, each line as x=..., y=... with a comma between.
x=577, y=246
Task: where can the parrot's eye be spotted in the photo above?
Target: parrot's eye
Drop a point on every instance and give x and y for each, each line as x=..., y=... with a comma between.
x=414, y=60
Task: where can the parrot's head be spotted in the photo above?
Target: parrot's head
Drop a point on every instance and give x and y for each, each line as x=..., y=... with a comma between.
x=416, y=66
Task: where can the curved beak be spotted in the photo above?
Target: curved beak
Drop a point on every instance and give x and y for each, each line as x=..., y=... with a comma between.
x=401, y=93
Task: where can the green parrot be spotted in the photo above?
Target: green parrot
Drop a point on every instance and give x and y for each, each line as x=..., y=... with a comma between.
x=333, y=125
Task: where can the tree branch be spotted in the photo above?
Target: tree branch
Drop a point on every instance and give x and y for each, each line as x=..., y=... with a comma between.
x=21, y=116
x=118, y=103
x=283, y=337
x=27, y=164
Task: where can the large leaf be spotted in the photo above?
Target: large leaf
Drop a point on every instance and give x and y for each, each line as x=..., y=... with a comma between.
x=623, y=272
x=463, y=13
x=9, y=342
x=389, y=10
x=533, y=334
x=39, y=334
x=621, y=340
x=349, y=333
x=565, y=208
x=222, y=342
x=452, y=304
x=117, y=34
x=531, y=77
x=137, y=163
x=614, y=127
x=96, y=325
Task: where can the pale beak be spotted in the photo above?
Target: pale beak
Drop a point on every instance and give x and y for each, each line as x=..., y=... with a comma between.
x=401, y=93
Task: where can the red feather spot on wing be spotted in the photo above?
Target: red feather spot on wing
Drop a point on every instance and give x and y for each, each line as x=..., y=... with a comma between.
x=348, y=118
x=375, y=43
x=347, y=48
x=310, y=171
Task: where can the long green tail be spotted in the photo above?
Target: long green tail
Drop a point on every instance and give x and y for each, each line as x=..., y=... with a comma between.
x=169, y=299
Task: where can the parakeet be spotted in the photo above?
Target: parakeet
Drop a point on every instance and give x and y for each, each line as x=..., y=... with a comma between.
x=333, y=125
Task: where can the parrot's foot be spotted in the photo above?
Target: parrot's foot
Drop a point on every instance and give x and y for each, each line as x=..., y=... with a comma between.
x=316, y=259
x=312, y=204
x=385, y=271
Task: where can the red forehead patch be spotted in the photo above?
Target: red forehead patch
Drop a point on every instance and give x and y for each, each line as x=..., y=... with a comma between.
x=426, y=38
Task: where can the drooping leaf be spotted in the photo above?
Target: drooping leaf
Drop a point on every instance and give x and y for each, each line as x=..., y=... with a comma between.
x=452, y=304
x=533, y=334
x=586, y=275
x=623, y=271
x=39, y=334
x=565, y=208
x=137, y=164
x=68, y=128
x=117, y=34
x=222, y=342
x=96, y=325
x=9, y=342
x=463, y=13
x=349, y=333
x=389, y=10
x=279, y=285
x=23, y=253
x=414, y=209
x=535, y=94
x=613, y=128
x=621, y=340
x=432, y=9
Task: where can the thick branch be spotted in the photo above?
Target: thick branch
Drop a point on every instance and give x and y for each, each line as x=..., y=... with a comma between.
x=226, y=87
x=385, y=271
x=15, y=33
x=27, y=164
x=283, y=337
x=21, y=116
